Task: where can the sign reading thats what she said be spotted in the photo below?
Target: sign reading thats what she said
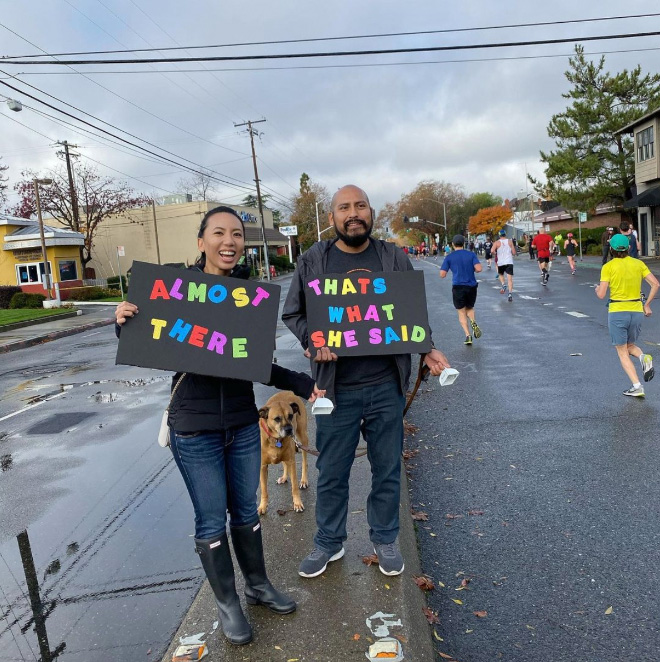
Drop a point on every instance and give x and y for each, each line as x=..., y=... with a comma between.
x=366, y=313
x=189, y=321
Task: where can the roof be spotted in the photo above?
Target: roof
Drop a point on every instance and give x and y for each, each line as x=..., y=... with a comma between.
x=640, y=120
x=557, y=213
x=648, y=198
x=31, y=231
x=6, y=219
x=253, y=234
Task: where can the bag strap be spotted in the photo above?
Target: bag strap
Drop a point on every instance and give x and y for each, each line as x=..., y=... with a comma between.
x=175, y=388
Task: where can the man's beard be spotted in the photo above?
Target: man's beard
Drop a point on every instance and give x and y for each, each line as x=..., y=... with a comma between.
x=355, y=240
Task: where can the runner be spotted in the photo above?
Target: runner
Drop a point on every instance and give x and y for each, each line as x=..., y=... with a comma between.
x=463, y=265
x=504, y=251
x=543, y=244
x=488, y=247
x=623, y=275
x=569, y=246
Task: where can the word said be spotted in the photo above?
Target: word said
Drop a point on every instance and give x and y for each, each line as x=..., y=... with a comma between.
x=196, y=335
x=201, y=292
x=377, y=336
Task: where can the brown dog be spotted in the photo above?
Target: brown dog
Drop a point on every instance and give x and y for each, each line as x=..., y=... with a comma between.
x=282, y=417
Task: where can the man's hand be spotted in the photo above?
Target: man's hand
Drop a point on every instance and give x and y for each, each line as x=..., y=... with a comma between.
x=125, y=310
x=436, y=361
x=316, y=393
x=647, y=310
x=323, y=355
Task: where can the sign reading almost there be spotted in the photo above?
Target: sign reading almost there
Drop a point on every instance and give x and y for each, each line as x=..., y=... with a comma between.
x=366, y=313
x=189, y=321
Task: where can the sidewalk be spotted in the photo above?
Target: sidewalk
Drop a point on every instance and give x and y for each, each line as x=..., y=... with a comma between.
x=53, y=328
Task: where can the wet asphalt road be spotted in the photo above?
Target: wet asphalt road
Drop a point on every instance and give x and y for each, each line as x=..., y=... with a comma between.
x=560, y=472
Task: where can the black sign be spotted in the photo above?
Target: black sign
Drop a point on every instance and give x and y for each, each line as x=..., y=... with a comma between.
x=366, y=313
x=189, y=321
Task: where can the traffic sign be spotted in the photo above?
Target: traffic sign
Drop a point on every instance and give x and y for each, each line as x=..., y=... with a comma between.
x=582, y=216
x=289, y=230
x=120, y=251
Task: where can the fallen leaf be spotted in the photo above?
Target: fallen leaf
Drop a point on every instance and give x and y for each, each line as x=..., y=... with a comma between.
x=475, y=512
x=465, y=582
x=437, y=636
x=369, y=560
x=431, y=616
x=277, y=648
x=457, y=601
x=424, y=582
x=468, y=631
x=609, y=610
x=450, y=516
x=281, y=512
x=530, y=627
x=480, y=614
x=356, y=637
x=419, y=515
x=387, y=586
x=441, y=585
x=149, y=652
x=449, y=478
x=433, y=535
x=445, y=656
x=293, y=659
x=401, y=638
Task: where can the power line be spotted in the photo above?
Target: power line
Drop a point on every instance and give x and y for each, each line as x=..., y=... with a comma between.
x=321, y=39
x=323, y=54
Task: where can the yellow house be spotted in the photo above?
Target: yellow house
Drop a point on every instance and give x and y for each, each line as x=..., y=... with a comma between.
x=21, y=259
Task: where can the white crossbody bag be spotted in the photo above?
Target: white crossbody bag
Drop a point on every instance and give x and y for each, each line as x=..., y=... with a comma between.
x=164, y=432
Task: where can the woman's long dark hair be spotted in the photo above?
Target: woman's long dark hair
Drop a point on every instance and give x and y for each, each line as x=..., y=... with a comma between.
x=222, y=209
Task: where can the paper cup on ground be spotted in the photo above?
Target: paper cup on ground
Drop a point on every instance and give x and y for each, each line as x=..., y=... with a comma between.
x=322, y=406
x=448, y=376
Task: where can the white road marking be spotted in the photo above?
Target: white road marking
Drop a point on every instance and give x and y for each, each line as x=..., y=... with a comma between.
x=91, y=334
x=36, y=404
x=576, y=314
x=524, y=296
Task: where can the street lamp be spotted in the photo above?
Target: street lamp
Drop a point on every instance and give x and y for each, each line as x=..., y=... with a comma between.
x=35, y=183
x=318, y=225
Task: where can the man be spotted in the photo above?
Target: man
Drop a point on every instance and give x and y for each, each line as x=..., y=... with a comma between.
x=627, y=230
x=368, y=392
x=504, y=251
x=543, y=244
x=488, y=247
x=623, y=275
x=463, y=265
x=605, y=243
x=558, y=239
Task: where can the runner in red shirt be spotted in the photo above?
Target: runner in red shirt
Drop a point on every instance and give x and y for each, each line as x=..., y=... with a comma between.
x=544, y=246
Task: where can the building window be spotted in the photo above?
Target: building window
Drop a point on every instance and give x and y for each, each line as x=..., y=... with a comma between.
x=29, y=274
x=645, y=145
x=68, y=270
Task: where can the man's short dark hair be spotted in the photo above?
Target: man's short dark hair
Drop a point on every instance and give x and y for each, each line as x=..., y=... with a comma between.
x=624, y=226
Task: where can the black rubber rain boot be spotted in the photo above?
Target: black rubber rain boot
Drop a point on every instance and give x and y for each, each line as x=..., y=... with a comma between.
x=219, y=569
x=249, y=550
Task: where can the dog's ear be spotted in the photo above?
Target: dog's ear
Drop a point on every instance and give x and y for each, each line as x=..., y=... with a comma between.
x=263, y=412
x=295, y=408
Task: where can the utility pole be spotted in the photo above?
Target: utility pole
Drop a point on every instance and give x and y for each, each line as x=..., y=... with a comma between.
x=252, y=131
x=153, y=208
x=72, y=193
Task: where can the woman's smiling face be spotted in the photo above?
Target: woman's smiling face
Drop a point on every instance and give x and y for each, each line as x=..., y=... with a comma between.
x=223, y=243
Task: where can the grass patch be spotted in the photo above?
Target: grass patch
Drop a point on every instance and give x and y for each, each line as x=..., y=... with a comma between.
x=26, y=314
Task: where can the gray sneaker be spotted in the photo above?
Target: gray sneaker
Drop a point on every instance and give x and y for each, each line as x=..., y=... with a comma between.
x=635, y=392
x=647, y=366
x=390, y=561
x=317, y=561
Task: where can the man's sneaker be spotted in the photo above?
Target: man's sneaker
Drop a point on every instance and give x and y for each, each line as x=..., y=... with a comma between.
x=647, y=367
x=502, y=289
x=573, y=272
x=317, y=561
x=390, y=561
x=547, y=276
x=510, y=297
x=468, y=340
x=635, y=392
x=477, y=331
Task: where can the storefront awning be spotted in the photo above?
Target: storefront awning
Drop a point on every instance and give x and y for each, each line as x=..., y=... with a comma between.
x=648, y=198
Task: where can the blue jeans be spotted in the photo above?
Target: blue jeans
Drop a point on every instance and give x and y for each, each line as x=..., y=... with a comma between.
x=221, y=472
x=378, y=410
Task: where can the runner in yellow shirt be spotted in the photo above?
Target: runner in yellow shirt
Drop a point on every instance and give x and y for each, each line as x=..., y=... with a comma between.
x=624, y=278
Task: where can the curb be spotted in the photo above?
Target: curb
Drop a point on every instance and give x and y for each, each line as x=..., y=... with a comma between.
x=38, y=320
x=38, y=340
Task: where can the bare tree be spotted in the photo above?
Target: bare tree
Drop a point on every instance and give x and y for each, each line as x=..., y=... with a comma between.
x=3, y=184
x=199, y=185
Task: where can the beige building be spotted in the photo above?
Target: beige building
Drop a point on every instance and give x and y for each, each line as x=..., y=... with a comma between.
x=167, y=234
x=647, y=179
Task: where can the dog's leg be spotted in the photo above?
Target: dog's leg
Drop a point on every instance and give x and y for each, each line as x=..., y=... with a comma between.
x=295, y=490
x=263, y=483
x=285, y=474
x=304, y=481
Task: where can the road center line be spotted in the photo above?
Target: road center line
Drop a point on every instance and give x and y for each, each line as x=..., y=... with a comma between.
x=576, y=314
x=36, y=404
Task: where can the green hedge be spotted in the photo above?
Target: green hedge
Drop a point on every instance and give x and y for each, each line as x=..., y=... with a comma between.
x=281, y=263
x=26, y=300
x=92, y=294
x=6, y=294
x=113, y=282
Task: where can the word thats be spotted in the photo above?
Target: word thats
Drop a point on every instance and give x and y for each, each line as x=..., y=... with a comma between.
x=331, y=286
x=196, y=335
x=377, y=336
x=201, y=292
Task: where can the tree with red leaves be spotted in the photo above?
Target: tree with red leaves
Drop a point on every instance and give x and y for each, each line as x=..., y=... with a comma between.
x=98, y=198
x=490, y=219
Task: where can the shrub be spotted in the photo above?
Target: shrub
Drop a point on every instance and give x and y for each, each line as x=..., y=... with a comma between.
x=113, y=282
x=92, y=294
x=6, y=294
x=281, y=263
x=26, y=300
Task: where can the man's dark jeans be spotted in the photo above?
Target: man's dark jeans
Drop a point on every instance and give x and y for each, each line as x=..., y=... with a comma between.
x=379, y=410
x=221, y=472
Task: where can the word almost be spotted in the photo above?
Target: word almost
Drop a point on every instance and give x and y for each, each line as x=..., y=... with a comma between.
x=201, y=292
x=375, y=336
x=198, y=336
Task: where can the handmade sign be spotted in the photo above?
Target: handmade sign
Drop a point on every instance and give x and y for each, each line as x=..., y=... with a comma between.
x=366, y=313
x=189, y=321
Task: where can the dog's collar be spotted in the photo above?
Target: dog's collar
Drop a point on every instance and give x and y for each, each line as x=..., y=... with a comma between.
x=264, y=427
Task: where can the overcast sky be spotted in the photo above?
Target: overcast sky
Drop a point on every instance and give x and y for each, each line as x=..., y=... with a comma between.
x=384, y=128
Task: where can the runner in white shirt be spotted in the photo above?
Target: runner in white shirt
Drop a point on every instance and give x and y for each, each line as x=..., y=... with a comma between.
x=505, y=251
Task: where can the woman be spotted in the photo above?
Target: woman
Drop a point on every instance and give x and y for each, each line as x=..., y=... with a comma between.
x=214, y=434
x=569, y=246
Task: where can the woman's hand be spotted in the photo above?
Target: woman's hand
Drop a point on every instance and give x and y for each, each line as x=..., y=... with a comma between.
x=125, y=310
x=316, y=393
